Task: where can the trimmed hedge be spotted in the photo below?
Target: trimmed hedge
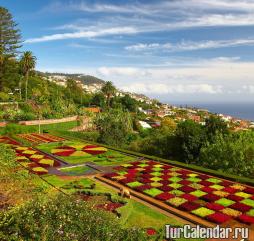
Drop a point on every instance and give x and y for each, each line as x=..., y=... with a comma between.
x=193, y=167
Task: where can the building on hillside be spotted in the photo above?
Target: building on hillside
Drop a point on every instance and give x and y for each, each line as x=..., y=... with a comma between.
x=144, y=125
x=195, y=118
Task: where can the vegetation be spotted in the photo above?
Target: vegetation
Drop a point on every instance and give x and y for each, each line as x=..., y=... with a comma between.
x=76, y=220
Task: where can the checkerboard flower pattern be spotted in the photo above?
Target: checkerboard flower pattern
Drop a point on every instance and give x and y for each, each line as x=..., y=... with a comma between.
x=34, y=160
x=205, y=196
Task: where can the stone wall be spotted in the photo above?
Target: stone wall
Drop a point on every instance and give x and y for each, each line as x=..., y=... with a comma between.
x=50, y=121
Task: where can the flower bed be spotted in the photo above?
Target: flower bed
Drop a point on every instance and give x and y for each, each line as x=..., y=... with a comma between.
x=78, y=150
x=35, y=138
x=34, y=160
x=7, y=140
x=202, y=195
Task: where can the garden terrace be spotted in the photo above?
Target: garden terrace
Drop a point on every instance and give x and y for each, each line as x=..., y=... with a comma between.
x=34, y=160
x=207, y=197
x=74, y=152
x=35, y=138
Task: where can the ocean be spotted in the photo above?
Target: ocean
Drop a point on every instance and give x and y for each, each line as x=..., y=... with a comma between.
x=241, y=110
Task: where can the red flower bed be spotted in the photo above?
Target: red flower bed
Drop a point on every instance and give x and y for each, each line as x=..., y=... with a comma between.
x=165, y=196
x=65, y=153
x=151, y=231
x=249, y=190
x=235, y=198
x=214, y=206
x=218, y=218
x=110, y=175
x=189, y=197
x=241, y=207
x=244, y=218
x=165, y=182
x=187, y=189
x=206, y=183
x=145, y=180
x=229, y=190
x=165, y=188
x=90, y=146
x=185, y=182
x=207, y=189
x=189, y=206
x=143, y=187
x=210, y=197
x=94, y=152
x=109, y=206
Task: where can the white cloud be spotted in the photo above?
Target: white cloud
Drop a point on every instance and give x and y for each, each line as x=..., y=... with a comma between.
x=161, y=89
x=84, y=34
x=190, y=45
x=249, y=88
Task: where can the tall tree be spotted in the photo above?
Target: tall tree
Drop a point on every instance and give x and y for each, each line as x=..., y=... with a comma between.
x=108, y=90
x=27, y=62
x=10, y=40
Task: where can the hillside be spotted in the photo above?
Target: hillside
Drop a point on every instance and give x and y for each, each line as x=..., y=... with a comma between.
x=85, y=79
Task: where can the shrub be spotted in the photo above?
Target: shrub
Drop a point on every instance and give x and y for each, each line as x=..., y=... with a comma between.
x=62, y=218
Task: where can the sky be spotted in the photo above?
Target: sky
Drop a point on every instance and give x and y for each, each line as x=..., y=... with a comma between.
x=173, y=50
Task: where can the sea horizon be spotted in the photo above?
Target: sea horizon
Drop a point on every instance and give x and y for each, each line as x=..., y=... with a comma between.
x=241, y=110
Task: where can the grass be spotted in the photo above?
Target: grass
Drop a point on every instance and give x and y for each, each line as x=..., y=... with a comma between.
x=69, y=186
x=132, y=212
x=16, y=128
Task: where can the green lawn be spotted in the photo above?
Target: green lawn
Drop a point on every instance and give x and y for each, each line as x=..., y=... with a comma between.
x=69, y=186
x=15, y=128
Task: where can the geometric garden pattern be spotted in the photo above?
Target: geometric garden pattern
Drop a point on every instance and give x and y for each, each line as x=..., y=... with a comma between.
x=205, y=196
x=78, y=150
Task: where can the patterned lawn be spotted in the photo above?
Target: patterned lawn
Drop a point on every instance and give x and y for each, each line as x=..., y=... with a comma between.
x=75, y=152
x=205, y=196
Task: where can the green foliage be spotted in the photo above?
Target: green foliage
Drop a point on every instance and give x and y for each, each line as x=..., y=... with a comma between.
x=108, y=90
x=214, y=126
x=114, y=126
x=76, y=220
x=233, y=153
x=190, y=137
x=7, y=158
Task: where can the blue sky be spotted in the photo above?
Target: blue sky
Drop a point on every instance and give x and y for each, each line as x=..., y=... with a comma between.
x=179, y=50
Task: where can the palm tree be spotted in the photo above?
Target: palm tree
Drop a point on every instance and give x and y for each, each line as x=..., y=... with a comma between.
x=108, y=90
x=27, y=62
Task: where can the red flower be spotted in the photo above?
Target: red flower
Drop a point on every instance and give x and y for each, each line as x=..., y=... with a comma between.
x=218, y=218
x=150, y=231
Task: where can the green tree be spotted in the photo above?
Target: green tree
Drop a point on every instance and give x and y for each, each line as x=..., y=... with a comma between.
x=233, y=153
x=10, y=40
x=114, y=127
x=190, y=136
x=98, y=100
x=27, y=62
x=129, y=103
x=214, y=126
x=108, y=90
